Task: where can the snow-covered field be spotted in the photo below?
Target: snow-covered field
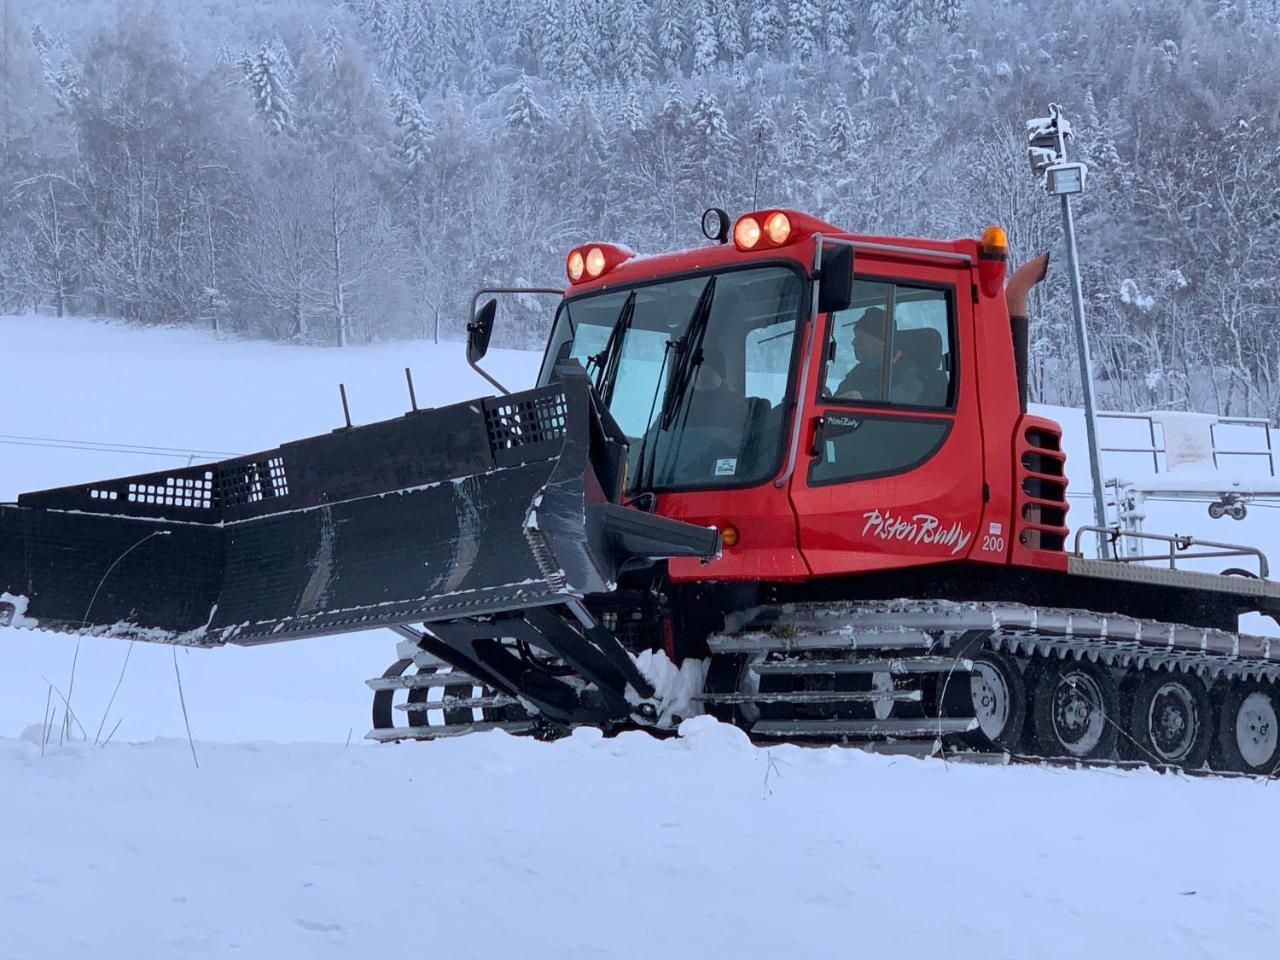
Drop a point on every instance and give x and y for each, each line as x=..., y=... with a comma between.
x=632, y=847
x=628, y=848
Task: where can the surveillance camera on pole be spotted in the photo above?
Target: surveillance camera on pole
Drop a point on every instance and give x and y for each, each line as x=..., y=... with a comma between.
x=1047, y=153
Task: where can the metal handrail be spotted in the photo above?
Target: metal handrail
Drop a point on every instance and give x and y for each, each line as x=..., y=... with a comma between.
x=1249, y=421
x=1155, y=451
x=1177, y=543
x=1151, y=430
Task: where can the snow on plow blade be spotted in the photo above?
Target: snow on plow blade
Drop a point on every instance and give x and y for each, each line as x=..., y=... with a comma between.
x=494, y=505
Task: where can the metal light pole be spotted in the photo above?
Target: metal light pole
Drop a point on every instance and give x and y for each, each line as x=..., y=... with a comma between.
x=1047, y=151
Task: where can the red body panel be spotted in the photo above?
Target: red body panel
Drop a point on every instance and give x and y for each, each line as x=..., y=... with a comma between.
x=922, y=515
x=766, y=523
x=1040, y=492
x=965, y=501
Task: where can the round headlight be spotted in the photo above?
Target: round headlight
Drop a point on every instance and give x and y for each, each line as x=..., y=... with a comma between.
x=746, y=234
x=778, y=227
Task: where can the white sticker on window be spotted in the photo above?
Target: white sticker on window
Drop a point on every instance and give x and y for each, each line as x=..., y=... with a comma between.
x=727, y=467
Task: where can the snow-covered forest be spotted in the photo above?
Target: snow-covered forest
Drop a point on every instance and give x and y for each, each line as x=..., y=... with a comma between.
x=343, y=172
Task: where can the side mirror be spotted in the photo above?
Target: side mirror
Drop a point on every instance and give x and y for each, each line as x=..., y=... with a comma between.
x=835, y=291
x=479, y=330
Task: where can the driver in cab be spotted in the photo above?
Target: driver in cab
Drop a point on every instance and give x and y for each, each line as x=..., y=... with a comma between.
x=869, y=379
x=714, y=402
x=708, y=435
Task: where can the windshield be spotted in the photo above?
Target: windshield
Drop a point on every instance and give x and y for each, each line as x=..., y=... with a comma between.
x=725, y=428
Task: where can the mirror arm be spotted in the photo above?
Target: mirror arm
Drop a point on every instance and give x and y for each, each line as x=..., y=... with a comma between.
x=478, y=369
x=471, y=315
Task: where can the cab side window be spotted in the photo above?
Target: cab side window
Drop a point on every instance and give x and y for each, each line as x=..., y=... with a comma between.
x=893, y=345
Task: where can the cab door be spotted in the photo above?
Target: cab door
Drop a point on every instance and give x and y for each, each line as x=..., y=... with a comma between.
x=890, y=471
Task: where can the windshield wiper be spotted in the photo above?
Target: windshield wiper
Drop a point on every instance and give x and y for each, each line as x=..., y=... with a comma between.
x=688, y=356
x=688, y=351
x=607, y=360
x=648, y=442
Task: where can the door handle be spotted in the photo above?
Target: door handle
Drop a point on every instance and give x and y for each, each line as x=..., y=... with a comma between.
x=816, y=437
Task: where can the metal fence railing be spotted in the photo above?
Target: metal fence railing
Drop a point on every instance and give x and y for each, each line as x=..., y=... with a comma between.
x=1157, y=449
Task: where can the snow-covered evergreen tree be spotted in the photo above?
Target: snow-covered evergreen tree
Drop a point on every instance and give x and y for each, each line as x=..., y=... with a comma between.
x=897, y=21
x=728, y=28
x=802, y=142
x=708, y=125
x=839, y=141
x=331, y=42
x=414, y=133
x=226, y=54
x=709, y=147
x=804, y=28
x=706, y=40
x=539, y=39
x=631, y=117
x=674, y=114
x=578, y=54
x=764, y=27
x=632, y=54
x=949, y=12
x=285, y=68
x=396, y=53
x=841, y=20
x=673, y=32
x=67, y=82
x=40, y=38
x=524, y=115
x=271, y=98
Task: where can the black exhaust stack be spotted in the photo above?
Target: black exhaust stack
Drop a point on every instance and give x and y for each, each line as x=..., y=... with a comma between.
x=1016, y=292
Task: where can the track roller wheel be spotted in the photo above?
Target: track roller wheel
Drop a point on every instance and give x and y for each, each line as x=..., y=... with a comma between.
x=1170, y=719
x=1249, y=730
x=999, y=702
x=1074, y=709
x=384, y=717
x=430, y=700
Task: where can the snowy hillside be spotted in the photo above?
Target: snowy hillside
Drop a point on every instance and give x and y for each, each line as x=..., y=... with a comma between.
x=697, y=846
x=453, y=144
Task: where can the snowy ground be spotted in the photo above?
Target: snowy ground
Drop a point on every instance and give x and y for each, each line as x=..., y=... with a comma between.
x=696, y=846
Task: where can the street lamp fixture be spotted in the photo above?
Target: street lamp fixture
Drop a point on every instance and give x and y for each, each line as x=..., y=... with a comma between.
x=1047, y=152
x=1065, y=178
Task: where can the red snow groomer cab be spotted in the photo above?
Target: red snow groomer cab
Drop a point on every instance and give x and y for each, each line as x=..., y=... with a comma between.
x=788, y=478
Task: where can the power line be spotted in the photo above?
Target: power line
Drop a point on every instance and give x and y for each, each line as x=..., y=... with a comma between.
x=56, y=443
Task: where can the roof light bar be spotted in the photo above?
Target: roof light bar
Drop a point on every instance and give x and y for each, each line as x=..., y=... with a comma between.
x=593, y=260
x=764, y=230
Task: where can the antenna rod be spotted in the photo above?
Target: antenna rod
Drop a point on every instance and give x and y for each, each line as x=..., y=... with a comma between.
x=413, y=400
x=346, y=412
x=755, y=180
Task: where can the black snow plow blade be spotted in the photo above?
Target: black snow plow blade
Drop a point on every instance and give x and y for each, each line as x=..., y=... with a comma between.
x=496, y=505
